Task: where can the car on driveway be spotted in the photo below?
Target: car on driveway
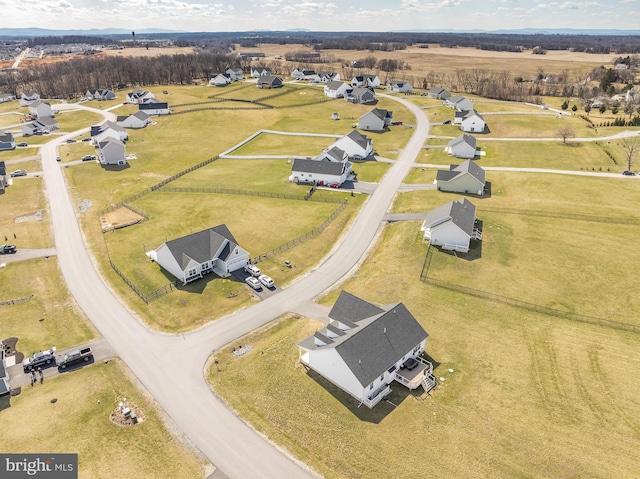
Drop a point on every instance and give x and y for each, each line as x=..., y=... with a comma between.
x=18, y=173
x=254, y=283
x=628, y=173
x=39, y=359
x=88, y=158
x=446, y=122
x=71, y=140
x=22, y=144
x=252, y=270
x=75, y=357
x=266, y=281
x=87, y=139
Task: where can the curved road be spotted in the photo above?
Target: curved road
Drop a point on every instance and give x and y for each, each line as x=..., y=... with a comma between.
x=172, y=367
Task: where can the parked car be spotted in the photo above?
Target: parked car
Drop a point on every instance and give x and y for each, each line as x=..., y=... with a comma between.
x=74, y=357
x=628, y=173
x=71, y=140
x=254, y=283
x=22, y=144
x=252, y=270
x=8, y=249
x=18, y=173
x=267, y=281
x=87, y=139
x=446, y=122
x=39, y=359
x=58, y=158
x=88, y=158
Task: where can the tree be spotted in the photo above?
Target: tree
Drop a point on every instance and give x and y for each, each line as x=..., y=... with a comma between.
x=574, y=108
x=587, y=109
x=630, y=146
x=565, y=132
x=603, y=109
x=565, y=105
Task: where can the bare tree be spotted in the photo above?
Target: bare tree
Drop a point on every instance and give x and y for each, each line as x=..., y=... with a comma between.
x=630, y=146
x=565, y=132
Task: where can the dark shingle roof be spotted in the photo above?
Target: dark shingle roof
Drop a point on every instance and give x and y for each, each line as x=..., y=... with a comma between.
x=360, y=139
x=153, y=106
x=323, y=166
x=352, y=308
x=466, y=167
x=461, y=212
x=201, y=246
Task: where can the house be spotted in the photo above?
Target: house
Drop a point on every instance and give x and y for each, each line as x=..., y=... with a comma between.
x=111, y=151
x=467, y=177
x=463, y=146
x=336, y=89
x=107, y=130
x=327, y=76
x=100, y=94
x=375, y=120
x=221, y=79
x=137, y=120
x=138, y=96
x=258, y=72
x=5, y=388
x=46, y=124
x=5, y=180
x=398, y=86
x=472, y=122
x=235, y=74
x=459, y=103
x=7, y=141
x=39, y=109
x=250, y=55
x=355, y=145
x=439, y=93
x=452, y=226
x=361, y=95
x=370, y=81
x=331, y=168
x=303, y=74
x=5, y=97
x=27, y=98
x=269, y=81
x=365, y=347
x=154, y=107
x=190, y=257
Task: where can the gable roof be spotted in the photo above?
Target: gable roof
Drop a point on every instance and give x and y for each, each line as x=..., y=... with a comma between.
x=46, y=121
x=157, y=105
x=358, y=138
x=334, y=85
x=377, y=339
x=324, y=166
x=108, y=142
x=466, y=167
x=6, y=136
x=201, y=246
x=468, y=139
x=3, y=169
x=382, y=114
x=462, y=213
x=472, y=113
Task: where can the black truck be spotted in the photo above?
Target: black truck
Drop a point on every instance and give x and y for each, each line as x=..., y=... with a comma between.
x=75, y=357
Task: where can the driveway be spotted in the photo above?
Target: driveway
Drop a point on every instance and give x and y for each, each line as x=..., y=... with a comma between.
x=23, y=254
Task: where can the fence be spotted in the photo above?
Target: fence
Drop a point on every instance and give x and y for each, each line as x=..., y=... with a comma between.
x=567, y=216
x=301, y=239
x=425, y=266
x=16, y=301
x=264, y=194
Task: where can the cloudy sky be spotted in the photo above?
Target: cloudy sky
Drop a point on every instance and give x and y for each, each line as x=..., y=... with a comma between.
x=325, y=15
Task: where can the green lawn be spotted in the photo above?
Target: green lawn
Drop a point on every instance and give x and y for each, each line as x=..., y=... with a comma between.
x=63, y=325
x=18, y=153
x=273, y=144
x=529, y=395
x=75, y=120
x=7, y=120
x=79, y=422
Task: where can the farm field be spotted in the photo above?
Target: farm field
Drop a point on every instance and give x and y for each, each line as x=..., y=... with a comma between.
x=533, y=403
x=80, y=419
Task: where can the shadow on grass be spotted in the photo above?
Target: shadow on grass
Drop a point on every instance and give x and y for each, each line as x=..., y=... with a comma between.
x=116, y=167
x=487, y=190
x=5, y=402
x=474, y=253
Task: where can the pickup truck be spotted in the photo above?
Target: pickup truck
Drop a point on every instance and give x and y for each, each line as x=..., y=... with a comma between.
x=43, y=358
x=8, y=249
x=74, y=357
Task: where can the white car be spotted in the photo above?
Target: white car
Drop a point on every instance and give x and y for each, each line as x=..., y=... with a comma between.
x=252, y=270
x=254, y=283
x=267, y=281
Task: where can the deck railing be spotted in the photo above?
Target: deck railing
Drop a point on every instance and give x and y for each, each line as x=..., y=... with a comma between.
x=377, y=398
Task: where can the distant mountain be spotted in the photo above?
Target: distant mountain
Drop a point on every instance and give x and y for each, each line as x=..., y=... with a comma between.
x=45, y=32
x=532, y=31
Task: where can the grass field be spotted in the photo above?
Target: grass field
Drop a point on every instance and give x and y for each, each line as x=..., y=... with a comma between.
x=24, y=198
x=75, y=120
x=79, y=422
x=10, y=119
x=18, y=153
x=530, y=395
x=273, y=144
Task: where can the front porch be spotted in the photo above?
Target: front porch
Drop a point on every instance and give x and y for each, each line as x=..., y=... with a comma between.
x=421, y=375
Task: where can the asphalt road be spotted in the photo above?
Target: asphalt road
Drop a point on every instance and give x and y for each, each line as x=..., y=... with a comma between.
x=172, y=367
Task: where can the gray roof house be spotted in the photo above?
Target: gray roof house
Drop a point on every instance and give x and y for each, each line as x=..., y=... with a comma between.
x=330, y=168
x=467, y=177
x=399, y=86
x=190, y=257
x=463, y=146
x=235, y=73
x=7, y=141
x=355, y=145
x=375, y=120
x=365, y=347
x=337, y=89
x=452, y=226
x=472, y=122
x=5, y=180
x=5, y=388
x=361, y=95
x=28, y=97
x=439, y=93
x=459, y=103
x=4, y=97
x=269, y=81
x=111, y=151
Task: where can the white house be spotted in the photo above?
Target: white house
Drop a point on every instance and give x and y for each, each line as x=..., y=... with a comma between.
x=39, y=109
x=154, y=108
x=111, y=151
x=27, y=98
x=235, y=73
x=463, y=146
x=472, y=122
x=355, y=145
x=336, y=89
x=398, y=86
x=5, y=97
x=221, y=79
x=452, y=226
x=467, y=177
x=190, y=257
x=5, y=180
x=327, y=76
x=439, y=93
x=258, y=72
x=7, y=141
x=5, y=387
x=375, y=120
x=370, y=81
x=364, y=348
x=107, y=130
x=138, y=119
x=459, y=103
x=331, y=168
x=46, y=124
x=303, y=74
x=100, y=94
x=269, y=81
x=138, y=96
x=361, y=95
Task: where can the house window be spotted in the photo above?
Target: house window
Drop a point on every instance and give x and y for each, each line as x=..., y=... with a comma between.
x=382, y=378
x=371, y=387
x=205, y=265
x=191, y=272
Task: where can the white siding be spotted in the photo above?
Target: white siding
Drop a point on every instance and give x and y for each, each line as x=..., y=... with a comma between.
x=449, y=234
x=330, y=365
x=465, y=183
